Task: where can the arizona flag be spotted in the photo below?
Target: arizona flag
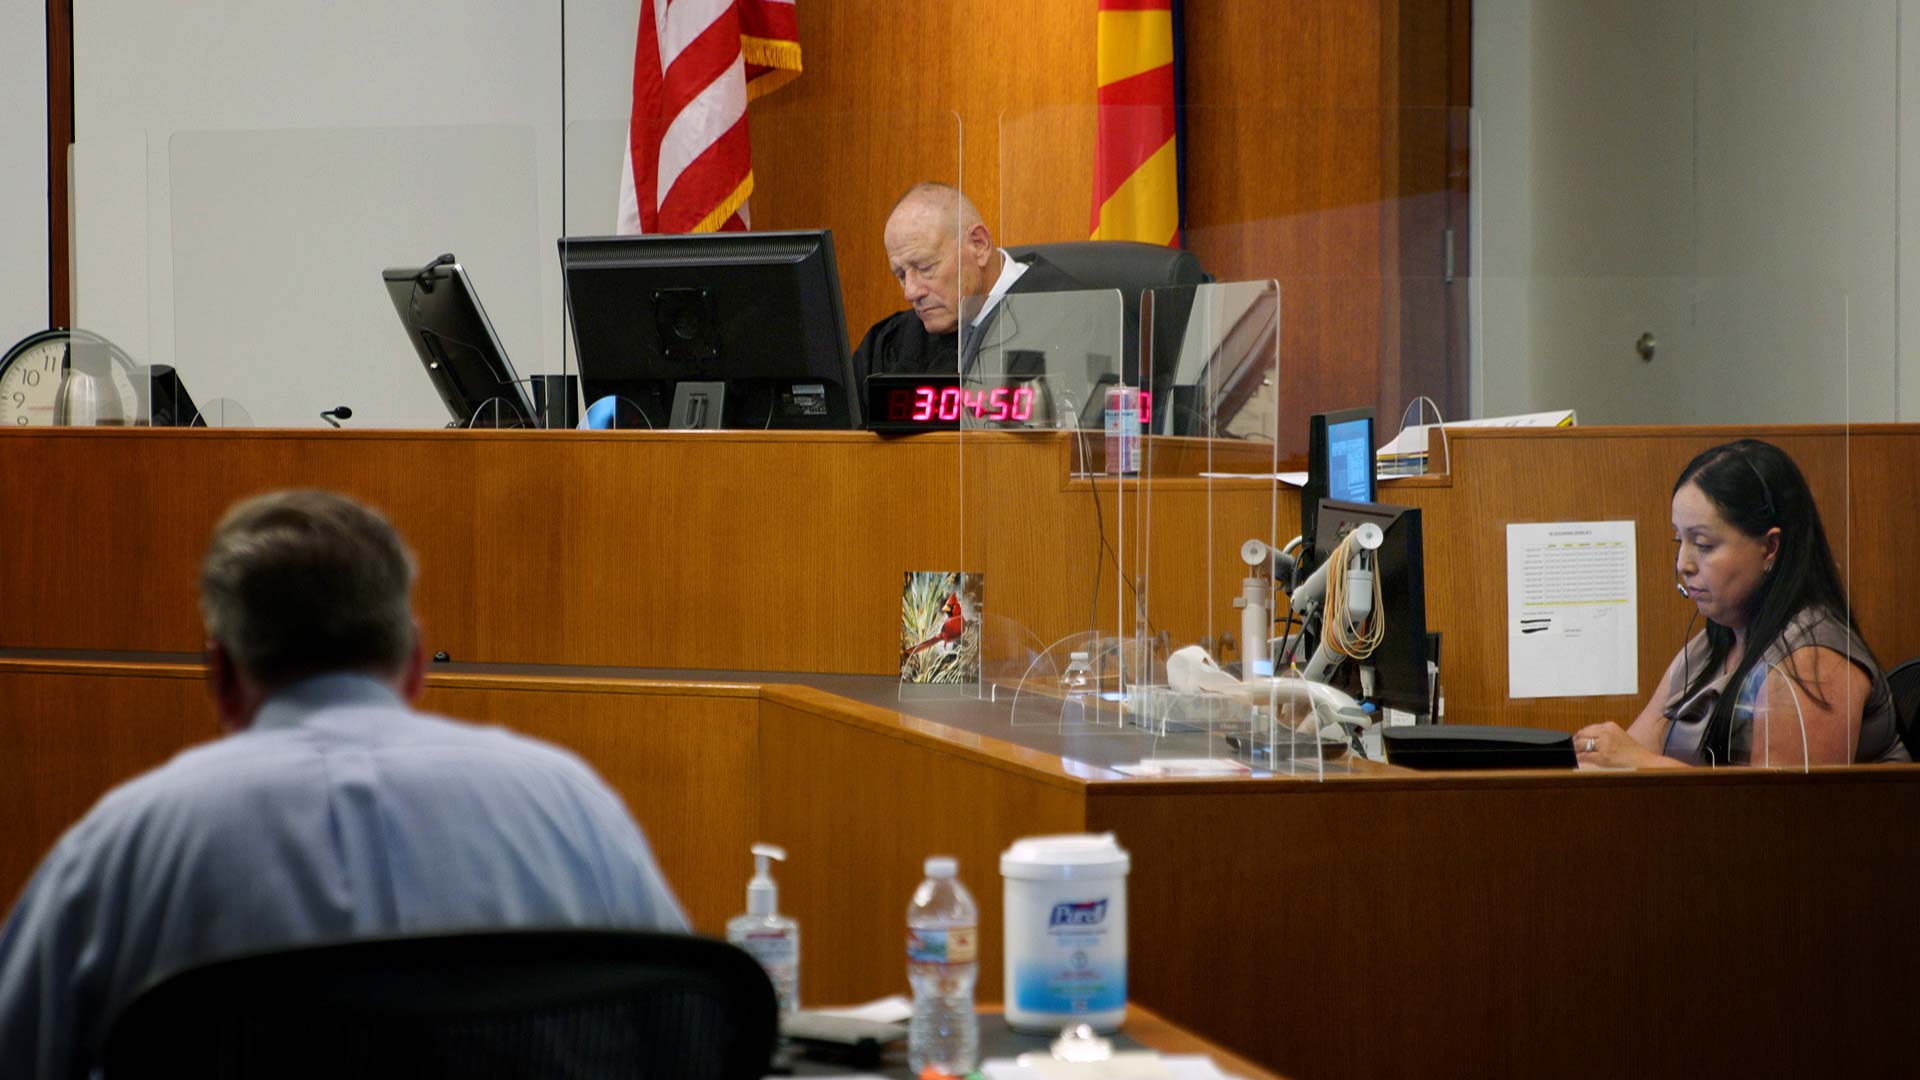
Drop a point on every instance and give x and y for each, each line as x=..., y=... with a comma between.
x=696, y=64
x=1136, y=171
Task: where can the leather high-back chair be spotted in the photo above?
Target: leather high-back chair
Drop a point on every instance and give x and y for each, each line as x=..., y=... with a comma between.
x=1904, y=681
x=574, y=1003
x=1133, y=268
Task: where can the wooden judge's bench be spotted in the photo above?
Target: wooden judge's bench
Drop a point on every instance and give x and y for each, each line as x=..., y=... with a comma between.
x=711, y=620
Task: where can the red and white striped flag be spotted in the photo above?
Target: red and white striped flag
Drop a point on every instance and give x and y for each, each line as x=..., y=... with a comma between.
x=696, y=64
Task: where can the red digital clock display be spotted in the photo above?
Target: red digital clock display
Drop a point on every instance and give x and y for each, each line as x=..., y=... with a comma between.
x=922, y=404
x=938, y=402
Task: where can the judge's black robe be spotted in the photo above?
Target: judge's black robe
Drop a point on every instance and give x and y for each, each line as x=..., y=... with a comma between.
x=900, y=345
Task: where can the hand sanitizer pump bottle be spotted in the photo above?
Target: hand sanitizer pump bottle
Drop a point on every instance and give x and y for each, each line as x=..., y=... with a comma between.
x=771, y=938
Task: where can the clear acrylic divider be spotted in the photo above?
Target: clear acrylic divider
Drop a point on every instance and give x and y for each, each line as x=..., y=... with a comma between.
x=1601, y=571
x=1039, y=371
x=289, y=273
x=105, y=361
x=1210, y=536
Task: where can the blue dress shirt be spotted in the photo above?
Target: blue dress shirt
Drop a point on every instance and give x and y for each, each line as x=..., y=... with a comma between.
x=339, y=813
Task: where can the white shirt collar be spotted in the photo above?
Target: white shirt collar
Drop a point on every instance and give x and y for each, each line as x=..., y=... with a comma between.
x=1010, y=272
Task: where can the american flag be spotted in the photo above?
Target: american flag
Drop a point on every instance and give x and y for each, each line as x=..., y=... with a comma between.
x=696, y=64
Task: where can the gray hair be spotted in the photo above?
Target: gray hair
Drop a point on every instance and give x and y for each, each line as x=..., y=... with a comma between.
x=299, y=583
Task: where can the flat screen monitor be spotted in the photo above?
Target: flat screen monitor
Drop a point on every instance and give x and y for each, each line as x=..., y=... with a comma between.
x=1399, y=662
x=1339, y=466
x=455, y=341
x=757, y=315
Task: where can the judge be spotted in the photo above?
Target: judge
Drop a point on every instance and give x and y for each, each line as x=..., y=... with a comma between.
x=951, y=273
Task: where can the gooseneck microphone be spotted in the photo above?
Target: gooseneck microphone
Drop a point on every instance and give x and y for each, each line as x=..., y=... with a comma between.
x=424, y=279
x=336, y=414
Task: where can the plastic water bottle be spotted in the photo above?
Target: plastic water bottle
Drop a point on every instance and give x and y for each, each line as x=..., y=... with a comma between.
x=1076, y=686
x=942, y=928
x=1123, y=431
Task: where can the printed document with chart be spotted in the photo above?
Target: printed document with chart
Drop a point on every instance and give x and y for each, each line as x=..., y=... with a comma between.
x=1572, y=610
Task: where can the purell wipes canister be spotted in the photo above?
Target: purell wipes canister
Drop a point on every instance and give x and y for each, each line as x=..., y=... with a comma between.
x=1066, y=939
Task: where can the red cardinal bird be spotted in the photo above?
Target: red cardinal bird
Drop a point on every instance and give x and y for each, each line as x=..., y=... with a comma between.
x=950, y=630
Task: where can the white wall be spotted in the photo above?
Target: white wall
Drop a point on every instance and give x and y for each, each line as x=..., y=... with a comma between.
x=1722, y=174
x=23, y=183
x=242, y=168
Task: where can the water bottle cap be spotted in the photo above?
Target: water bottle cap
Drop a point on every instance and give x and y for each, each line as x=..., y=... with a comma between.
x=942, y=866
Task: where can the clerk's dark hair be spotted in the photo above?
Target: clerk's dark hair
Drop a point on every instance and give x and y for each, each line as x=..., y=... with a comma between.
x=1755, y=487
x=302, y=583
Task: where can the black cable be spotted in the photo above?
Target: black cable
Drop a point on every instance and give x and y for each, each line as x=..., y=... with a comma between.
x=1105, y=548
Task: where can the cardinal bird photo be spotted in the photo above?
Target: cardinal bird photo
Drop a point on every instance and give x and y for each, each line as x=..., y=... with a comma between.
x=940, y=627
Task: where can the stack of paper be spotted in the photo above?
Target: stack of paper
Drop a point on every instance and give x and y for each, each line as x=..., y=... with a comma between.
x=1406, y=453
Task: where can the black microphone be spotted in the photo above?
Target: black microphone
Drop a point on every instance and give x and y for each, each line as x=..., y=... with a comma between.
x=336, y=414
x=424, y=279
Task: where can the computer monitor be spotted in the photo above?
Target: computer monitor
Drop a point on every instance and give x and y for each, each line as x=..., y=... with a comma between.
x=455, y=341
x=1399, y=662
x=757, y=313
x=1339, y=466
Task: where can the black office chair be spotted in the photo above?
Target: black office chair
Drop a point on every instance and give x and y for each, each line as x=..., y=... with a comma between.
x=1132, y=268
x=1904, y=681
x=1121, y=264
x=562, y=1003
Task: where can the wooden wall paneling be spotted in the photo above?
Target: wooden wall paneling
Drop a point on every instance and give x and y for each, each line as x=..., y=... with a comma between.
x=741, y=550
x=1524, y=926
x=1877, y=547
x=59, y=145
x=859, y=798
x=1590, y=474
x=684, y=758
x=71, y=731
x=957, y=69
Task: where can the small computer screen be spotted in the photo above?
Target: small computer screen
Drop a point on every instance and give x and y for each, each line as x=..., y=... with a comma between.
x=1339, y=466
x=454, y=339
x=1350, y=473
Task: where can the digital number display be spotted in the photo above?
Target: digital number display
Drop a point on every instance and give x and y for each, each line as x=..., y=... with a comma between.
x=933, y=404
x=940, y=403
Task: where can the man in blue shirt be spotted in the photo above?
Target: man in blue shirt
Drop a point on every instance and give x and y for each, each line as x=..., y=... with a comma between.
x=331, y=811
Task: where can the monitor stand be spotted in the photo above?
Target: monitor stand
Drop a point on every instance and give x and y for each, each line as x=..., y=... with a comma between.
x=697, y=406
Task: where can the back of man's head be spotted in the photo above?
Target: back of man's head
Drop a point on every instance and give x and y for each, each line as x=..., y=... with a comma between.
x=300, y=583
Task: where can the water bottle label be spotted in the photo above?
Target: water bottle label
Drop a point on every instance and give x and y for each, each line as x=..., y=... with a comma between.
x=931, y=946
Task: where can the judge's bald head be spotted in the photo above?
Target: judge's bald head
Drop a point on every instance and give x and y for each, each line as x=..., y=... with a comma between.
x=940, y=252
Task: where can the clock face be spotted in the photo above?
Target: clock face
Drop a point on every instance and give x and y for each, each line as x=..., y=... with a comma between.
x=38, y=373
x=30, y=383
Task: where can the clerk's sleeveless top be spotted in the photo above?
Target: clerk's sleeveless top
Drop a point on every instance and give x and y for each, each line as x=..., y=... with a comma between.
x=1689, y=715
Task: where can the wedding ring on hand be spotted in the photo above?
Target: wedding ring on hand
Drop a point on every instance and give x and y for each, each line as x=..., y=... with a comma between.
x=1590, y=745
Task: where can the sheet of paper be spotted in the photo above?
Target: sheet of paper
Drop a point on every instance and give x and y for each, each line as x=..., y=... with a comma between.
x=1413, y=440
x=1572, y=610
x=892, y=1009
x=1184, y=767
x=1126, y=1065
x=1291, y=479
